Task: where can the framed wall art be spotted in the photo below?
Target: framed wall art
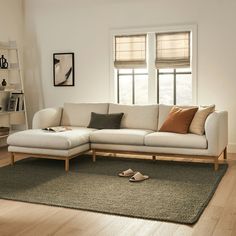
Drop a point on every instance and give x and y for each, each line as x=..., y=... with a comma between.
x=63, y=69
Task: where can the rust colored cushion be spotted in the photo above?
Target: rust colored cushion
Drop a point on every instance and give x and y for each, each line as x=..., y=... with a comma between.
x=178, y=120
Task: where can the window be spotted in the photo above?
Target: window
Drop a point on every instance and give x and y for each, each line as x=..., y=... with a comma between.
x=174, y=86
x=155, y=67
x=132, y=86
x=132, y=83
x=174, y=80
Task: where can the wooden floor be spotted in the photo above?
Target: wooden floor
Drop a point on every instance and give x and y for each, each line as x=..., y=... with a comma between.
x=17, y=218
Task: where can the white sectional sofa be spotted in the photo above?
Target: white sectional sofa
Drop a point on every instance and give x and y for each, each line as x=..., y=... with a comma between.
x=138, y=134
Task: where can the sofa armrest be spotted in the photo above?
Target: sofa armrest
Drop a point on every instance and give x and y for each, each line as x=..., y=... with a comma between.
x=216, y=128
x=47, y=117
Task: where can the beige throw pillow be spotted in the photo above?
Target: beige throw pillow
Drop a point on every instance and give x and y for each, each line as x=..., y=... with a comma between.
x=198, y=122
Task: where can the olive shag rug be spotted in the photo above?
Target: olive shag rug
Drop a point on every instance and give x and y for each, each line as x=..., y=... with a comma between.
x=176, y=191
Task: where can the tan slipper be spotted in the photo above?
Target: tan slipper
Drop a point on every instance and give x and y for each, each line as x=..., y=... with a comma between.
x=138, y=177
x=127, y=173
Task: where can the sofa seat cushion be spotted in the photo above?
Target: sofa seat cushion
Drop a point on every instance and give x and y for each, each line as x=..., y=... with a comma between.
x=166, y=139
x=119, y=136
x=37, y=138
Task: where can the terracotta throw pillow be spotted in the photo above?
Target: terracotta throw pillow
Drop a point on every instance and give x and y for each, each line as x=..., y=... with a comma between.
x=198, y=122
x=178, y=120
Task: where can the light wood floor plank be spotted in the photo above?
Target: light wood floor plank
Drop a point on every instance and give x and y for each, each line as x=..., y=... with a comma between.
x=19, y=219
x=227, y=222
x=50, y=222
x=225, y=188
x=233, y=233
x=167, y=229
x=205, y=227
x=184, y=230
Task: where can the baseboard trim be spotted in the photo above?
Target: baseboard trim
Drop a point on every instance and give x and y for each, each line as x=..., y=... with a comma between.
x=231, y=148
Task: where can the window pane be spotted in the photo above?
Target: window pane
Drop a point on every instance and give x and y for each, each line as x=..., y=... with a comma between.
x=166, y=70
x=125, y=89
x=140, y=71
x=166, y=88
x=184, y=89
x=125, y=71
x=183, y=70
x=141, y=89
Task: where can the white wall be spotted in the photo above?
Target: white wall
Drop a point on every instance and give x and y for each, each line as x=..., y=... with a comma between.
x=11, y=18
x=11, y=21
x=82, y=26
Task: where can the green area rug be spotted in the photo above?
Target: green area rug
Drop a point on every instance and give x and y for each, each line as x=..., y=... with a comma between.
x=176, y=191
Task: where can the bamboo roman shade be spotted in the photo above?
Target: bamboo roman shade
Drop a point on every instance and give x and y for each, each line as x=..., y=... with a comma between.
x=130, y=51
x=173, y=50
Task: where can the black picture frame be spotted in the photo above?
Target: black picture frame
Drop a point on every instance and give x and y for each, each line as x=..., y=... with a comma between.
x=63, y=69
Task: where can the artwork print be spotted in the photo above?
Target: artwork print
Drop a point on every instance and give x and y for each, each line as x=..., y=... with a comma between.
x=63, y=69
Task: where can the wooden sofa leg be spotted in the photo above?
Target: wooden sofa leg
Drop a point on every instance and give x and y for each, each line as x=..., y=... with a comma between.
x=67, y=164
x=12, y=158
x=225, y=153
x=153, y=158
x=94, y=155
x=216, y=163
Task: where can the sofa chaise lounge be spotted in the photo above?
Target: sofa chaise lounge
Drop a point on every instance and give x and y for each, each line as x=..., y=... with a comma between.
x=139, y=134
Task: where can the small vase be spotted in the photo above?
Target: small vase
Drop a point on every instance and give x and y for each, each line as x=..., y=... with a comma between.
x=3, y=62
x=4, y=82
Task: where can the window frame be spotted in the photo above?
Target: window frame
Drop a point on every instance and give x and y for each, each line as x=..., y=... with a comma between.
x=152, y=71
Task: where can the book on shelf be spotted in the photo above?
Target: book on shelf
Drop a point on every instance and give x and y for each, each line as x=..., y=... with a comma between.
x=4, y=130
x=16, y=102
x=57, y=129
x=12, y=104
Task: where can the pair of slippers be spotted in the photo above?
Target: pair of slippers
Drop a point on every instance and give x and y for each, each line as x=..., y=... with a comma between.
x=135, y=176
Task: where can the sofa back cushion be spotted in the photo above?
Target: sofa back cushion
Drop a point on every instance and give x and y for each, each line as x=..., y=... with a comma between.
x=137, y=116
x=163, y=113
x=79, y=114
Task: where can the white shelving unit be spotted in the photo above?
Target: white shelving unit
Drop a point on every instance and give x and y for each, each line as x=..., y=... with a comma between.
x=17, y=119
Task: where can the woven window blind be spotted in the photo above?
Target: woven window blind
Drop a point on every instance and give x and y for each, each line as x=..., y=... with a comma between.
x=173, y=50
x=130, y=51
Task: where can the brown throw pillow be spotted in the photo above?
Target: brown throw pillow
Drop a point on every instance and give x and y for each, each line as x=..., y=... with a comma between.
x=178, y=120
